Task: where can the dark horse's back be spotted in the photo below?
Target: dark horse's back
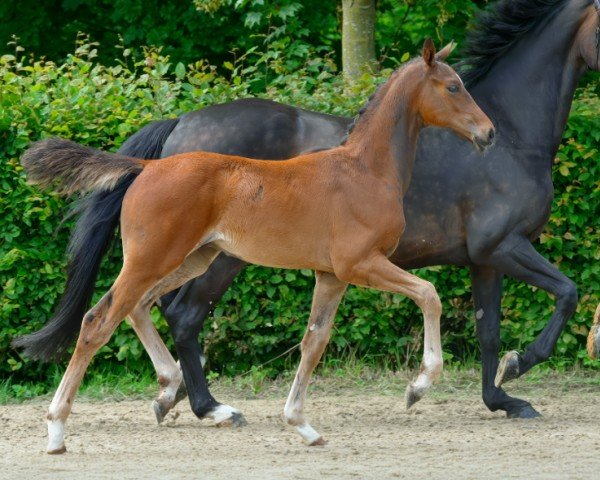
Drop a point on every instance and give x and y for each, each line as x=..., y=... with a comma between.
x=255, y=128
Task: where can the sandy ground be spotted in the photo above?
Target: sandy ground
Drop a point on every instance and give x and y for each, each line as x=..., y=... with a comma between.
x=369, y=436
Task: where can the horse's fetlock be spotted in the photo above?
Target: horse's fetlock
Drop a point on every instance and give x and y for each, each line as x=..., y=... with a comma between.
x=293, y=417
x=203, y=407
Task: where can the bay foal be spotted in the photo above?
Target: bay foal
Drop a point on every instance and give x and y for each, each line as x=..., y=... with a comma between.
x=338, y=212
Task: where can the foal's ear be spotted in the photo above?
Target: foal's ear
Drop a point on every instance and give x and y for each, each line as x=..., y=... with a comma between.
x=429, y=52
x=444, y=52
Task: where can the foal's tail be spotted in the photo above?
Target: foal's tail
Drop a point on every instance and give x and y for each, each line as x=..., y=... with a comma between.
x=69, y=167
x=98, y=220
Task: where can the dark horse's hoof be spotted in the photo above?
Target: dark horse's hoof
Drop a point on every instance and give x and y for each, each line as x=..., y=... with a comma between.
x=508, y=368
x=524, y=412
x=237, y=420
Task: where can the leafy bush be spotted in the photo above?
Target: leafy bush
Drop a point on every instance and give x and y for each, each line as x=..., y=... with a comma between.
x=265, y=313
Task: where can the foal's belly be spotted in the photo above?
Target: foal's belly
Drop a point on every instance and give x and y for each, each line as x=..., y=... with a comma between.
x=286, y=250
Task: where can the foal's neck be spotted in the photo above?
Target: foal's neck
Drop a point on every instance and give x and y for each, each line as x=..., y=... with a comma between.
x=384, y=138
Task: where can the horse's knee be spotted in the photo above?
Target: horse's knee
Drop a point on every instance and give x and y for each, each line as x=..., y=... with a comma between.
x=183, y=338
x=315, y=338
x=567, y=295
x=428, y=299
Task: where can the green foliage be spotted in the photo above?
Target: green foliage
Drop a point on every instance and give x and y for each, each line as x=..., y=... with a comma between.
x=265, y=313
x=402, y=26
x=217, y=30
x=211, y=29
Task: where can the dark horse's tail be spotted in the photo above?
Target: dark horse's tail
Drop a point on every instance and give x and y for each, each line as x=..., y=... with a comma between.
x=98, y=219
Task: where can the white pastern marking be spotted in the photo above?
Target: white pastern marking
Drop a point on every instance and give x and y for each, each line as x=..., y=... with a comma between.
x=222, y=413
x=309, y=434
x=423, y=382
x=56, y=435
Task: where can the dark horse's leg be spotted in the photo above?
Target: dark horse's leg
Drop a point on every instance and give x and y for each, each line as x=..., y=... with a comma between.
x=186, y=310
x=487, y=293
x=517, y=258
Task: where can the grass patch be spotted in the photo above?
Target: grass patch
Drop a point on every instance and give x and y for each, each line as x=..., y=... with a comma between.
x=334, y=377
x=102, y=385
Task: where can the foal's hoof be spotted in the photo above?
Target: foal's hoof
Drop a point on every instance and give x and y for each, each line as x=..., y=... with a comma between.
x=236, y=420
x=160, y=411
x=319, y=442
x=413, y=395
x=524, y=412
x=57, y=451
x=508, y=368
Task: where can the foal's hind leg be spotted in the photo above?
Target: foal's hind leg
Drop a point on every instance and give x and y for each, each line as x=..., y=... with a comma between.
x=96, y=329
x=170, y=380
x=326, y=297
x=378, y=272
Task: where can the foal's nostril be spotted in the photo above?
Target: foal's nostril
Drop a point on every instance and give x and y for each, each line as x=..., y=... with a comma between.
x=491, y=134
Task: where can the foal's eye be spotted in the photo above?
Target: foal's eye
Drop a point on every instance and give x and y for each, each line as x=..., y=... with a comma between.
x=453, y=88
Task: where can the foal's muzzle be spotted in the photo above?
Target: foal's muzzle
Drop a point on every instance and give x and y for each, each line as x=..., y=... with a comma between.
x=484, y=140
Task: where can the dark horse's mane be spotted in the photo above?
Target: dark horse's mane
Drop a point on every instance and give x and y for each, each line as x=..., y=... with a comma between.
x=497, y=29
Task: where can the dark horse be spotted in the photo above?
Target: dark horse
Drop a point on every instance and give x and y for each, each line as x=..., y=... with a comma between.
x=521, y=63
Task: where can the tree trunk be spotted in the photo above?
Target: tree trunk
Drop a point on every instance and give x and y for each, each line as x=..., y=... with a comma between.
x=358, y=37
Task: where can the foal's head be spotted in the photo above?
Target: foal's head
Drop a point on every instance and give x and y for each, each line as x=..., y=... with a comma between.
x=444, y=102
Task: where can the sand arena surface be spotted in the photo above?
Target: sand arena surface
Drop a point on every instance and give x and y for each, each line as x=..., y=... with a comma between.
x=450, y=434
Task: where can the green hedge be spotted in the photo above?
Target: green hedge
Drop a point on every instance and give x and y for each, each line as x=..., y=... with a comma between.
x=265, y=313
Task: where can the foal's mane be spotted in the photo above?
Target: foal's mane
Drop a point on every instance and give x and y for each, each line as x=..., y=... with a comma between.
x=497, y=30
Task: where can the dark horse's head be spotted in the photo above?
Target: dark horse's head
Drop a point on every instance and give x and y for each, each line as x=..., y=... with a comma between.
x=445, y=102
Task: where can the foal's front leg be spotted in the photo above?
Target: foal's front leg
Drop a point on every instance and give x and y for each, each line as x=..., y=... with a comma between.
x=376, y=271
x=326, y=297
